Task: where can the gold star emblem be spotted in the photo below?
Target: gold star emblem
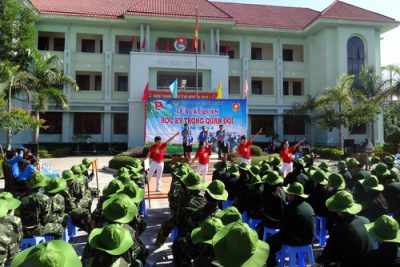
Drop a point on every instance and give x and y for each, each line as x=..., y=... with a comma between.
x=157, y=151
x=290, y=155
x=245, y=149
x=205, y=155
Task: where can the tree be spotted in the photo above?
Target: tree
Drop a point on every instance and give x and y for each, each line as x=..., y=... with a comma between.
x=49, y=84
x=17, y=32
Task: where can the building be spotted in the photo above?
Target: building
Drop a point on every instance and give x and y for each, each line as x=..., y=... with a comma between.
x=113, y=48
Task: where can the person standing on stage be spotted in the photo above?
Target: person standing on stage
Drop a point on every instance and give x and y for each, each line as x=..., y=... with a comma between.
x=243, y=149
x=221, y=138
x=203, y=134
x=187, y=140
x=203, y=154
x=157, y=164
x=286, y=155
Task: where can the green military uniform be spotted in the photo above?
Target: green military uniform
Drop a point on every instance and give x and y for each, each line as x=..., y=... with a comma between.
x=5, y=238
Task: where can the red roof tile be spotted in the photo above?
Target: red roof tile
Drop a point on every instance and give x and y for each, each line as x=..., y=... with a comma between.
x=269, y=16
x=341, y=10
x=178, y=8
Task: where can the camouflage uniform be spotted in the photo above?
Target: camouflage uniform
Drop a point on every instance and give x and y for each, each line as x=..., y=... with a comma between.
x=57, y=220
x=68, y=200
x=34, y=213
x=5, y=241
x=14, y=228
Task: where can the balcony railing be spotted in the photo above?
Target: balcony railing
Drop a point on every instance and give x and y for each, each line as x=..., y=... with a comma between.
x=187, y=89
x=180, y=52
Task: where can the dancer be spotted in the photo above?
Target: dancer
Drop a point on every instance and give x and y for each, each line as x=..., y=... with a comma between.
x=203, y=155
x=287, y=156
x=243, y=149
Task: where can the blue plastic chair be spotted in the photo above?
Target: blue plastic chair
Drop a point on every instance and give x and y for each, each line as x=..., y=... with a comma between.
x=253, y=223
x=174, y=233
x=244, y=217
x=269, y=231
x=142, y=209
x=72, y=229
x=28, y=242
x=226, y=204
x=66, y=236
x=320, y=230
x=297, y=256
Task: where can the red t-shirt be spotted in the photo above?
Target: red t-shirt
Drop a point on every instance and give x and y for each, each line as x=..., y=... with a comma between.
x=204, y=155
x=244, y=150
x=157, y=152
x=286, y=154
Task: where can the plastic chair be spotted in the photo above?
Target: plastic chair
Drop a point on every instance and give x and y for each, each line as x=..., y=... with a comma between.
x=320, y=230
x=226, y=204
x=142, y=209
x=28, y=242
x=72, y=229
x=150, y=264
x=244, y=217
x=253, y=223
x=66, y=236
x=296, y=255
x=269, y=231
x=174, y=233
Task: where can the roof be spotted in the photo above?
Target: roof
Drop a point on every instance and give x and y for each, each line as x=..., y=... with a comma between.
x=248, y=15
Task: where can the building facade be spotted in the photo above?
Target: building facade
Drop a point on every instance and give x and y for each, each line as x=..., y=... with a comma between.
x=113, y=48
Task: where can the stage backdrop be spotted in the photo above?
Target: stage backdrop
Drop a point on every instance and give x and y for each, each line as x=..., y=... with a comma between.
x=167, y=116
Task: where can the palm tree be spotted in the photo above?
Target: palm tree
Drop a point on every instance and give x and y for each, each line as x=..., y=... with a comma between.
x=14, y=82
x=50, y=82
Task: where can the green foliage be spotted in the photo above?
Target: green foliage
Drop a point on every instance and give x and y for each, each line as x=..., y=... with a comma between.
x=256, y=150
x=122, y=161
x=328, y=152
x=44, y=154
x=257, y=159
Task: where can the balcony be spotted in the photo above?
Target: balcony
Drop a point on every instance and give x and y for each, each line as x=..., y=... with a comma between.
x=187, y=89
x=235, y=67
x=262, y=68
x=88, y=61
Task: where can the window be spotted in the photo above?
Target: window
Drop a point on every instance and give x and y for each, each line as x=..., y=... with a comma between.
x=120, y=123
x=87, y=123
x=88, y=46
x=294, y=125
x=297, y=88
x=59, y=44
x=44, y=43
x=256, y=87
x=355, y=57
x=358, y=129
x=165, y=78
x=125, y=47
x=83, y=82
x=285, y=87
x=97, y=83
x=266, y=122
x=256, y=53
x=53, y=122
x=287, y=55
x=122, y=83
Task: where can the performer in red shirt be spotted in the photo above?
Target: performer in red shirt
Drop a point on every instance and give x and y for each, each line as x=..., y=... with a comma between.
x=286, y=155
x=157, y=164
x=203, y=154
x=243, y=149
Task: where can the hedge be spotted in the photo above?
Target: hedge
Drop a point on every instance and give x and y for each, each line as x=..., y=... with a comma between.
x=256, y=150
x=120, y=161
x=328, y=152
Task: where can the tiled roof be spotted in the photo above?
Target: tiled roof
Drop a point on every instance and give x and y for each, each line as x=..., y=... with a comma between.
x=269, y=16
x=178, y=8
x=341, y=10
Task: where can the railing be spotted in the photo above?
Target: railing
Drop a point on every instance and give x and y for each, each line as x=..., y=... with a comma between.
x=186, y=89
x=180, y=52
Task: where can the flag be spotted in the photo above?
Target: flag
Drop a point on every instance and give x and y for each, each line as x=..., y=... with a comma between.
x=144, y=43
x=156, y=46
x=196, y=33
x=173, y=87
x=167, y=46
x=219, y=90
x=204, y=45
x=245, y=89
x=146, y=93
x=133, y=43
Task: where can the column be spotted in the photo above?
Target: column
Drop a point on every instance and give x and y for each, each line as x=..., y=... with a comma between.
x=108, y=75
x=67, y=127
x=279, y=73
x=212, y=44
x=67, y=58
x=107, y=124
x=148, y=41
x=217, y=41
x=141, y=36
x=279, y=125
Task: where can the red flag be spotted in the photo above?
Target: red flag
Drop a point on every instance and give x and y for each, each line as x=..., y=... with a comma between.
x=167, y=46
x=146, y=93
x=196, y=33
x=204, y=45
x=144, y=43
x=245, y=89
x=133, y=43
x=193, y=45
x=157, y=44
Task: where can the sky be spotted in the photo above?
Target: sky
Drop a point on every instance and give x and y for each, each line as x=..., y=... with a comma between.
x=390, y=41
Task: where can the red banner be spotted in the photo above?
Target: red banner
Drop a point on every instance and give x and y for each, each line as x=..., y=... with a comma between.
x=199, y=95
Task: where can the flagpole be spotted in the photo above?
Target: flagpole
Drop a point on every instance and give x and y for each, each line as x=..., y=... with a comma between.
x=197, y=70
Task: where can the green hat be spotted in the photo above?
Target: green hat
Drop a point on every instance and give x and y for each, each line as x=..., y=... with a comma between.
x=122, y=171
x=132, y=190
x=342, y=164
x=361, y=175
x=205, y=233
x=379, y=169
x=352, y=162
x=83, y=168
x=272, y=178
x=295, y=188
x=371, y=182
x=86, y=162
x=244, y=166
x=255, y=170
x=216, y=189
x=384, y=229
x=336, y=181
x=4, y=208
x=119, y=208
x=343, y=201
x=13, y=203
x=275, y=161
x=237, y=245
x=254, y=180
x=179, y=173
x=55, y=253
x=234, y=169
x=55, y=185
x=124, y=177
x=264, y=161
x=192, y=181
x=76, y=169
x=229, y=215
x=324, y=166
x=176, y=165
x=113, y=239
x=219, y=166
x=37, y=180
x=389, y=160
x=375, y=160
x=68, y=175
x=310, y=169
x=134, y=174
x=113, y=187
x=299, y=161
x=319, y=177
x=136, y=164
x=307, y=159
x=265, y=167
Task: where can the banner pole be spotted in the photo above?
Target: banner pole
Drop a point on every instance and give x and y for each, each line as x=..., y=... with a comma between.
x=145, y=121
x=197, y=70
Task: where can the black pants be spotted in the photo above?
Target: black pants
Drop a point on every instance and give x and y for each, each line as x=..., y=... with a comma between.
x=275, y=243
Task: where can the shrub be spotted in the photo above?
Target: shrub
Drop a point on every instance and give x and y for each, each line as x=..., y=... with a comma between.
x=327, y=152
x=257, y=160
x=62, y=152
x=256, y=150
x=390, y=148
x=44, y=154
x=120, y=161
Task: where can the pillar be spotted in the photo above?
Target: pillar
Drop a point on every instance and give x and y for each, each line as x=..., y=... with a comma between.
x=141, y=36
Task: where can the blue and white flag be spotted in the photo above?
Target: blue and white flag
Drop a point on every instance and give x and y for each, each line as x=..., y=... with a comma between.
x=173, y=87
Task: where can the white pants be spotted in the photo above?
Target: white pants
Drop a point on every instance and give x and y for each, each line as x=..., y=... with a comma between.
x=286, y=168
x=248, y=161
x=202, y=169
x=159, y=167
